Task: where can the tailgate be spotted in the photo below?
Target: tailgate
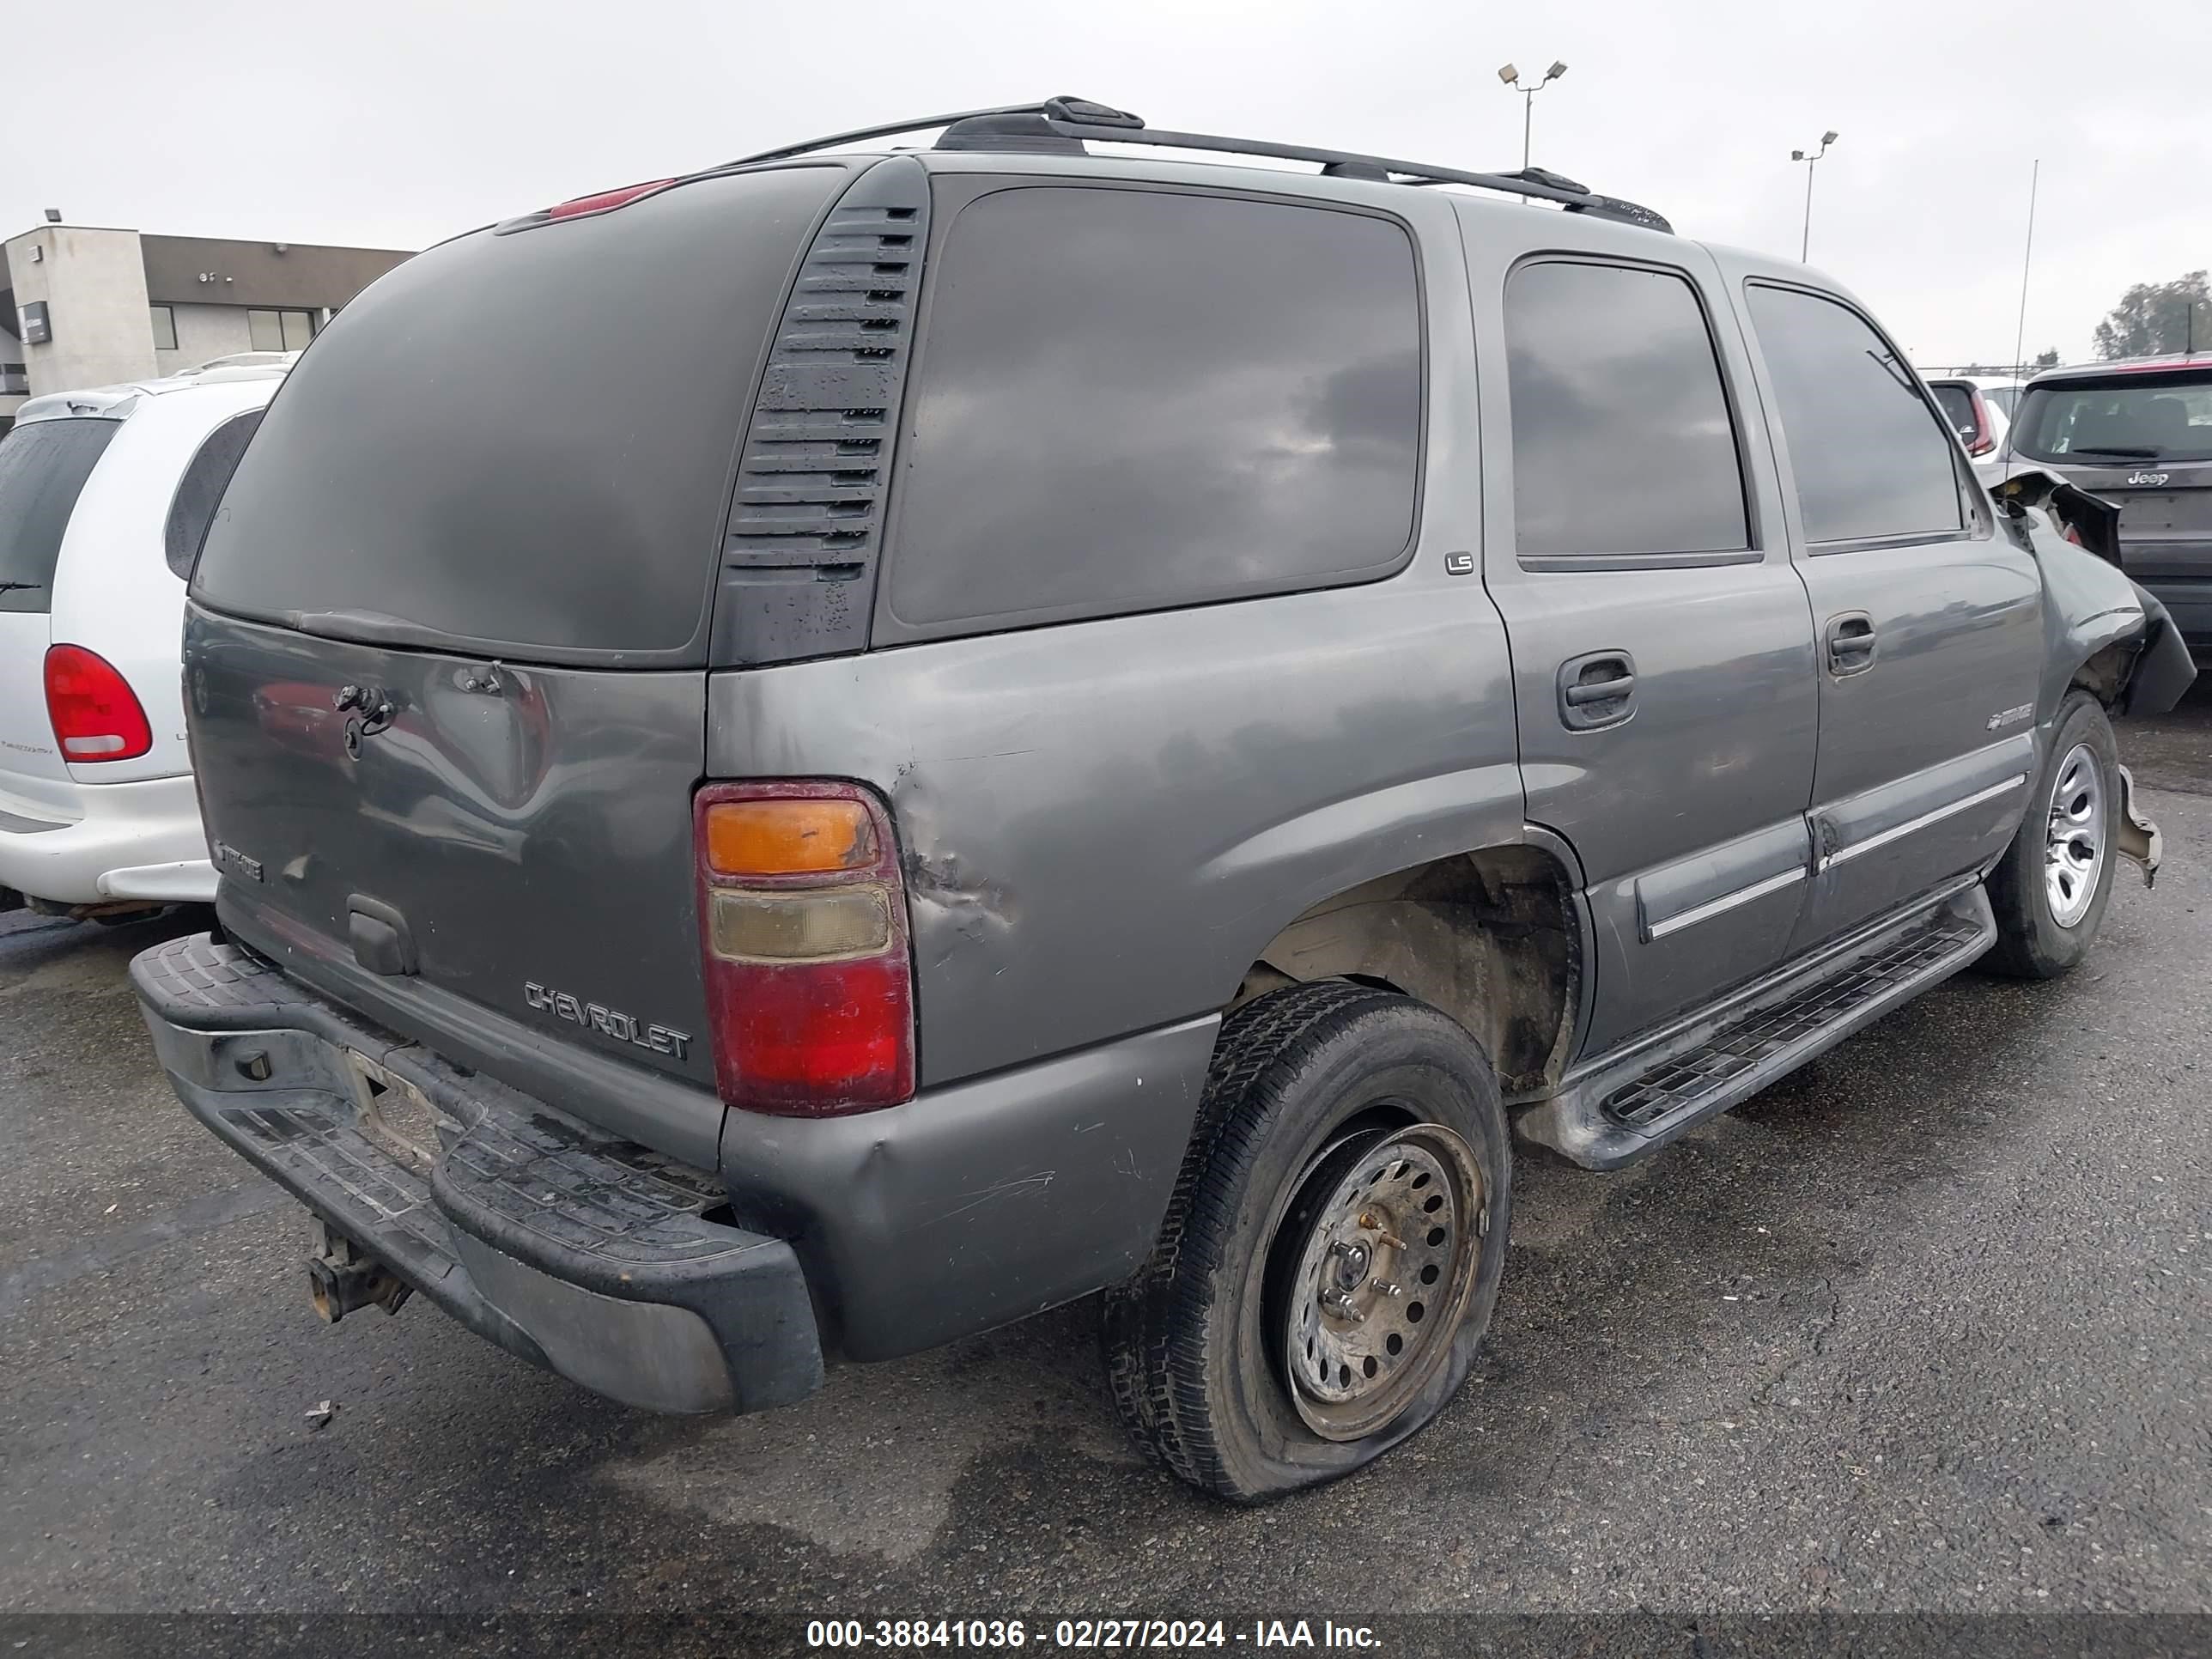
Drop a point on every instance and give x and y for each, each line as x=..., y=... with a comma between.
x=507, y=845
x=446, y=643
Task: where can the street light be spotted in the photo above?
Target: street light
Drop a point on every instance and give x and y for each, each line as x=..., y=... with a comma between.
x=1511, y=77
x=1805, y=246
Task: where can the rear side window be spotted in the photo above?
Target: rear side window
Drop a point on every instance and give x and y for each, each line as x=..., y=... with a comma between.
x=1622, y=441
x=523, y=442
x=200, y=490
x=1128, y=400
x=43, y=469
x=1957, y=403
x=1870, y=460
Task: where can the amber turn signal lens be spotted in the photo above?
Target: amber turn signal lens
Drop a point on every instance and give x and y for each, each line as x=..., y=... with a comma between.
x=790, y=837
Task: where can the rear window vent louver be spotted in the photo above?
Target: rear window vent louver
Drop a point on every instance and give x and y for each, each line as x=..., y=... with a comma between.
x=799, y=565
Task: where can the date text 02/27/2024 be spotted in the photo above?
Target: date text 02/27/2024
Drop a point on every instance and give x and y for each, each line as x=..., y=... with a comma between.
x=1086, y=1634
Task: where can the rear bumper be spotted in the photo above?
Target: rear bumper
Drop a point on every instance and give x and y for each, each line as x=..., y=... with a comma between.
x=589, y=1255
x=131, y=841
x=2180, y=575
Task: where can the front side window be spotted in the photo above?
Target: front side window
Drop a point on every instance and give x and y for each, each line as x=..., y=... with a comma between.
x=1871, y=460
x=1622, y=441
x=1128, y=400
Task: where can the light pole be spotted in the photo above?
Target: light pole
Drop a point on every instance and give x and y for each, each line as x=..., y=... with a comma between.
x=1511, y=77
x=1805, y=246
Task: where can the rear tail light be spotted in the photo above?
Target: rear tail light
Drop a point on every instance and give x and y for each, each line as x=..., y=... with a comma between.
x=1985, y=438
x=96, y=714
x=803, y=928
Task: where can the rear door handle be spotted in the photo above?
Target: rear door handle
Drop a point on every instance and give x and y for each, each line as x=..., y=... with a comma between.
x=1597, y=690
x=1852, y=644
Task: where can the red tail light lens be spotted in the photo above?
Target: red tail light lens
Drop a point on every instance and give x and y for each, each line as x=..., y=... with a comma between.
x=1985, y=437
x=96, y=714
x=604, y=199
x=803, y=929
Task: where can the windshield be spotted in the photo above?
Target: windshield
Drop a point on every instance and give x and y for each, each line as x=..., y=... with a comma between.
x=43, y=467
x=1956, y=402
x=2003, y=397
x=2137, y=417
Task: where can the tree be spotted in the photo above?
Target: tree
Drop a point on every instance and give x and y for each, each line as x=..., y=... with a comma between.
x=2046, y=359
x=2156, y=318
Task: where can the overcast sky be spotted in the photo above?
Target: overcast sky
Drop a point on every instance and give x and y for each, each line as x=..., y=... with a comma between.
x=397, y=124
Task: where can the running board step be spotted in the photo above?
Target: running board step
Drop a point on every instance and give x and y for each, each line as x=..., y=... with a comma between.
x=1628, y=1108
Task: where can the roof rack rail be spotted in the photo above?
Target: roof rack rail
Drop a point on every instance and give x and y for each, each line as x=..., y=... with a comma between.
x=889, y=130
x=1064, y=118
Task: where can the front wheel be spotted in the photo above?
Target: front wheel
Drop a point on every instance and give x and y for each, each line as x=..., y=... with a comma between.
x=2051, y=889
x=1332, y=1249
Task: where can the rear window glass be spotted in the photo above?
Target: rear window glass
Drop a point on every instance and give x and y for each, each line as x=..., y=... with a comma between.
x=43, y=468
x=201, y=488
x=1622, y=441
x=1957, y=403
x=1870, y=460
x=523, y=442
x=1128, y=400
x=2134, y=418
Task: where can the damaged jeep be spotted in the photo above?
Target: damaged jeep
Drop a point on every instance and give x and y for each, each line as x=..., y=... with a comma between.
x=1074, y=722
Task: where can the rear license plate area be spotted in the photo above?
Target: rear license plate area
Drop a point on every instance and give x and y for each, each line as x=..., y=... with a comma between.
x=394, y=1115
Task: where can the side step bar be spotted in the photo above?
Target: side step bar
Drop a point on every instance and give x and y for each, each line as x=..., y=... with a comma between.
x=1629, y=1106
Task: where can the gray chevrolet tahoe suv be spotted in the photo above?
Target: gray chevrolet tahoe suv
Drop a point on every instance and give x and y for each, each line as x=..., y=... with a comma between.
x=1050, y=722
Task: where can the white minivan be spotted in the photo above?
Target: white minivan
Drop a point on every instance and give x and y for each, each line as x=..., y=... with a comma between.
x=104, y=497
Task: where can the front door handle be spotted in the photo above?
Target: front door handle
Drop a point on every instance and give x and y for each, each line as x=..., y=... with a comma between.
x=1852, y=644
x=1597, y=690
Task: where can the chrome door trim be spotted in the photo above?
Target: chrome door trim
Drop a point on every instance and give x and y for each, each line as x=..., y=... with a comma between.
x=1897, y=832
x=1726, y=902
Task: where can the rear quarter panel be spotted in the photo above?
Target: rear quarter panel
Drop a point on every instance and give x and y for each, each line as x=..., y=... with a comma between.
x=1102, y=822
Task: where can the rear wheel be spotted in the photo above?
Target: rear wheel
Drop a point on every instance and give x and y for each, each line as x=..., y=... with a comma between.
x=1332, y=1249
x=2051, y=889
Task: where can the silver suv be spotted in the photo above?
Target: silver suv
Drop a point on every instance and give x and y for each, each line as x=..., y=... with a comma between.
x=1061, y=723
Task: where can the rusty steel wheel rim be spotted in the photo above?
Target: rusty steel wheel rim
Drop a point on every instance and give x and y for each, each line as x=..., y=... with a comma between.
x=1384, y=1274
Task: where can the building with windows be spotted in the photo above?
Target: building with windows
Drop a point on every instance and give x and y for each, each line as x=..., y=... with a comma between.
x=85, y=306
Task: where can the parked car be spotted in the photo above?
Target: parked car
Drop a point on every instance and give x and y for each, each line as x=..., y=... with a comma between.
x=1976, y=413
x=2139, y=435
x=103, y=495
x=1348, y=675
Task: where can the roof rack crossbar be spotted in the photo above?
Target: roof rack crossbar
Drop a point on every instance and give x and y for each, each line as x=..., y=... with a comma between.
x=889, y=130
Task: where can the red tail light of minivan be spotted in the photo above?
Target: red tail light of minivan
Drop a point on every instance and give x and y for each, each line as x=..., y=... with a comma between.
x=1986, y=439
x=803, y=930
x=96, y=714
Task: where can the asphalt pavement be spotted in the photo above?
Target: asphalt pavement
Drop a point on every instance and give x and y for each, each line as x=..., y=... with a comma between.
x=1924, y=1329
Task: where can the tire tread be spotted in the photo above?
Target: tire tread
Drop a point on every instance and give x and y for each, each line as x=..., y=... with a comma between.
x=1158, y=1384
